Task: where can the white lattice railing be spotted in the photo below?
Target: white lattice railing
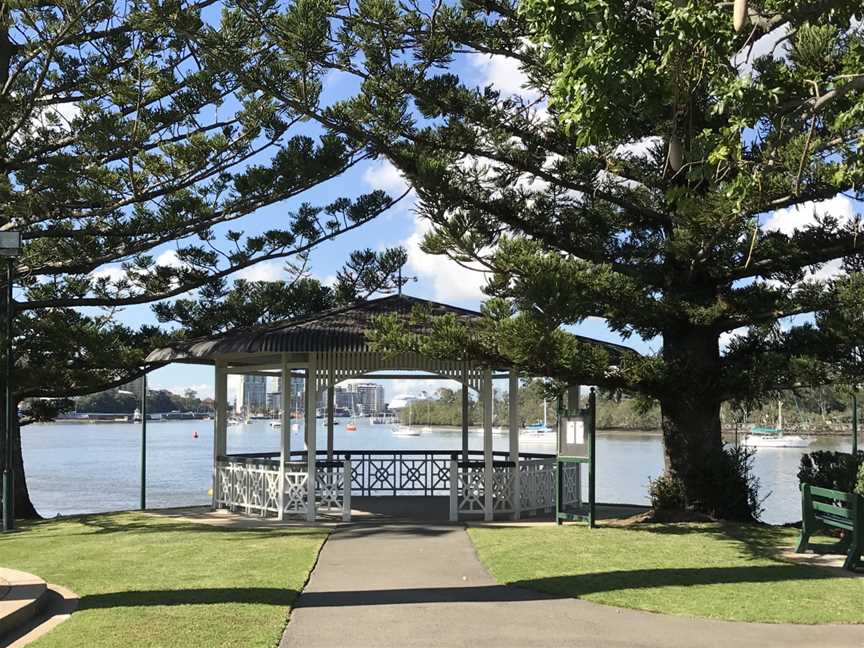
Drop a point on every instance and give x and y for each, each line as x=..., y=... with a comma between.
x=333, y=487
x=250, y=484
x=537, y=485
x=295, y=497
x=247, y=486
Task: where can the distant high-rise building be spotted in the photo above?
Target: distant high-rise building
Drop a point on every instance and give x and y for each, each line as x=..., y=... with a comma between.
x=370, y=396
x=253, y=394
x=296, y=397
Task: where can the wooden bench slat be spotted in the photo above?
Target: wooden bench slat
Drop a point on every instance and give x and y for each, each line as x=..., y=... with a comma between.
x=839, y=496
x=836, y=511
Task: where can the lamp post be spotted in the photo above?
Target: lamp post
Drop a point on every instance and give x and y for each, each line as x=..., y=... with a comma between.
x=143, y=494
x=855, y=420
x=10, y=247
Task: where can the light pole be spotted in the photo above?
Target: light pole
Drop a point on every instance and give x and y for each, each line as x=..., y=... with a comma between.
x=143, y=494
x=855, y=420
x=10, y=247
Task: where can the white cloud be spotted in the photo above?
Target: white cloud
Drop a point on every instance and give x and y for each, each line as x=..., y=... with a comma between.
x=264, y=271
x=640, y=148
x=504, y=74
x=800, y=217
x=449, y=280
x=726, y=337
x=386, y=177
x=169, y=259
x=114, y=273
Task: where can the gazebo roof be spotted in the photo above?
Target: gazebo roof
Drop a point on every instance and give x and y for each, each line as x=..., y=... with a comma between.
x=339, y=329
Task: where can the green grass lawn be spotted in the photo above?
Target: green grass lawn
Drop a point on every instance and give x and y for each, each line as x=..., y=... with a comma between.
x=147, y=580
x=706, y=570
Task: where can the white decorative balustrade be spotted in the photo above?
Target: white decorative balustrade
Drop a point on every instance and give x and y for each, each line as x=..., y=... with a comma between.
x=250, y=483
x=247, y=485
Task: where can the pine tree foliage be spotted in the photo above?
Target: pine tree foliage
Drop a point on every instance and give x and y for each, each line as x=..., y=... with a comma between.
x=134, y=154
x=632, y=180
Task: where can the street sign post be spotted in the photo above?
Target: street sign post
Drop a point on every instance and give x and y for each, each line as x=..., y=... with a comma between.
x=576, y=445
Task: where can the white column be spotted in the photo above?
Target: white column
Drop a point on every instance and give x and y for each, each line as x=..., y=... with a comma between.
x=346, y=492
x=285, y=434
x=574, y=405
x=454, y=488
x=487, y=445
x=285, y=414
x=220, y=426
x=330, y=397
x=513, y=416
x=311, y=440
x=465, y=418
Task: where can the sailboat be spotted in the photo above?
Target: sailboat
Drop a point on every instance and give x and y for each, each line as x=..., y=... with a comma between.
x=538, y=429
x=406, y=430
x=768, y=437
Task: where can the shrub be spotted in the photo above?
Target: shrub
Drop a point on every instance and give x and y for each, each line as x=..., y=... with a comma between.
x=730, y=490
x=829, y=469
x=736, y=486
x=667, y=493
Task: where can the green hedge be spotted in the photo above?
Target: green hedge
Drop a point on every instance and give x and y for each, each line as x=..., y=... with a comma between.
x=829, y=469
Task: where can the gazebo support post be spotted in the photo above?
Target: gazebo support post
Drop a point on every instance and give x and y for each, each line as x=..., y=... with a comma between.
x=331, y=394
x=285, y=435
x=488, y=503
x=513, y=418
x=465, y=417
x=573, y=404
x=220, y=425
x=311, y=436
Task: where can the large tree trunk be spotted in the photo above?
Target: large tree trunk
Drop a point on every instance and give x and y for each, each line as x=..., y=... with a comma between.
x=24, y=508
x=692, y=436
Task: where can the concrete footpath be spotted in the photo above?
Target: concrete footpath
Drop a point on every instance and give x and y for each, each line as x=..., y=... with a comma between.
x=406, y=585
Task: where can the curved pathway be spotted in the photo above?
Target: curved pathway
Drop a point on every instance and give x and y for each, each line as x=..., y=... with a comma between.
x=406, y=585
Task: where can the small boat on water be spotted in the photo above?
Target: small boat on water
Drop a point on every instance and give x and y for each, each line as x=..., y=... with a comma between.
x=276, y=424
x=538, y=429
x=774, y=437
x=405, y=431
x=766, y=437
x=351, y=426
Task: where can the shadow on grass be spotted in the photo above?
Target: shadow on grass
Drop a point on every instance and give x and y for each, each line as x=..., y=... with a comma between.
x=203, y=596
x=101, y=524
x=584, y=584
x=759, y=541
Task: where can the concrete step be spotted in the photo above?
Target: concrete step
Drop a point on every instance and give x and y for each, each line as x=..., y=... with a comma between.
x=23, y=597
x=60, y=604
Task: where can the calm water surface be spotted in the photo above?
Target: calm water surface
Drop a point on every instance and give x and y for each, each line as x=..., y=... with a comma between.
x=89, y=468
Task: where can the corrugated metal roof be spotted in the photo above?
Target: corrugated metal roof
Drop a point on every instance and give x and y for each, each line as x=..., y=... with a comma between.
x=340, y=329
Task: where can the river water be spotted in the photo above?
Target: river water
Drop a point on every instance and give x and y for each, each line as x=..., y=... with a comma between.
x=83, y=468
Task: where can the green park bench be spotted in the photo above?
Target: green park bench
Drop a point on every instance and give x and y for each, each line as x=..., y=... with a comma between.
x=821, y=508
